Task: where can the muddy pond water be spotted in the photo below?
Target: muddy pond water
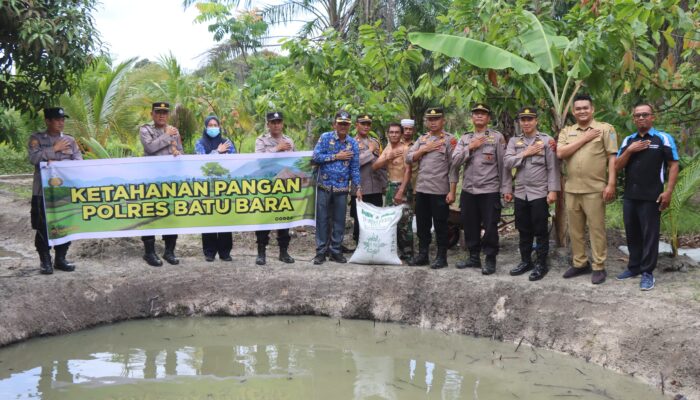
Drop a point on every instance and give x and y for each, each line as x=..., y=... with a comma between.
x=295, y=358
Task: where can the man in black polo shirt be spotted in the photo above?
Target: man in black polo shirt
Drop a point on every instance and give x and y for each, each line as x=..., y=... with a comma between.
x=644, y=155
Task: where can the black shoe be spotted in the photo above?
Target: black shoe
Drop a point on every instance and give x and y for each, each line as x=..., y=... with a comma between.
x=152, y=259
x=473, y=261
x=421, y=259
x=285, y=257
x=539, y=272
x=522, y=268
x=320, y=258
x=576, y=271
x=225, y=258
x=261, y=258
x=45, y=268
x=339, y=258
x=440, y=259
x=169, y=256
x=489, y=265
x=60, y=263
x=209, y=258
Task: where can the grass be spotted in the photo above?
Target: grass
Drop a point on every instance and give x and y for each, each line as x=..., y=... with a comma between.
x=14, y=162
x=20, y=190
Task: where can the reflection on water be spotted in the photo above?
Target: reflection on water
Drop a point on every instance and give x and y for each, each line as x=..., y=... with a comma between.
x=293, y=358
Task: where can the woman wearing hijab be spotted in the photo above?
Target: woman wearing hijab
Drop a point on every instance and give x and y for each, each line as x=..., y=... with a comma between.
x=213, y=142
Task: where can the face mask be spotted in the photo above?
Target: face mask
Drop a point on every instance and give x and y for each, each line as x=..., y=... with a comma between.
x=213, y=132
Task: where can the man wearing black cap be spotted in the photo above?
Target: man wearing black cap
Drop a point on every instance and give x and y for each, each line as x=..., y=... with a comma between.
x=160, y=139
x=49, y=145
x=484, y=180
x=536, y=186
x=274, y=142
x=338, y=157
x=433, y=196
x=373, y=181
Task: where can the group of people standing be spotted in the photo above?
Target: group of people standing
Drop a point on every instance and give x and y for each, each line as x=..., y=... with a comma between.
x=423, y=174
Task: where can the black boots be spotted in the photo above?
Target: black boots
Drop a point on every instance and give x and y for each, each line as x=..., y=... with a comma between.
x=489, y=265
x=541, y=268
x=474, y=261
x=440, y=259
x=45, y=267
x=260, y=259
x=421, y=259
x=284, y=256
x=169, y=253
x=61, y=263
x=150, y=255
x=523, y=267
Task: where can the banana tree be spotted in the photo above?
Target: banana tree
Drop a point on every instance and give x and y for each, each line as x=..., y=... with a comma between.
x=549, y=63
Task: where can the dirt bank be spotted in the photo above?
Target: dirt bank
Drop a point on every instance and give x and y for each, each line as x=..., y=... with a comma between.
x=647, y=334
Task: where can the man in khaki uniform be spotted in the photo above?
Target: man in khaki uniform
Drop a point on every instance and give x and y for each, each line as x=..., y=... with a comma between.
x=49, y=145
x=433, y=196
x=274, y=142
x=588, y=149
x=393, y=159
x=373, y=182
x=160, y=139
x=536, y=186
x=483, y=182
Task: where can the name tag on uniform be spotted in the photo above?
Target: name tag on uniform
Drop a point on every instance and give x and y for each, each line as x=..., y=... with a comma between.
x=653, y=146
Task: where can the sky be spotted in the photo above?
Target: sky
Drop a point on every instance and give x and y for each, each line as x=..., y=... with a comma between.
x=153, y=28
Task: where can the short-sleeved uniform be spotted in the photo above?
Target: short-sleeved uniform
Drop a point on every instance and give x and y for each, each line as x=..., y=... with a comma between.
x=535, y=176
x=268, y=144
x=373, y=182
x=644, y=182
x=483, y=182
x=586, y=177
x=158, y=143
x=40, y=149
x=432, y=187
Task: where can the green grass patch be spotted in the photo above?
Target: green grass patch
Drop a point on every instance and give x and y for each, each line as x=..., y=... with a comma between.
x=20, y=190
x=14, y=162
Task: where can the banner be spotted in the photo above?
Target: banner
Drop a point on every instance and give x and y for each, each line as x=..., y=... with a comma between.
x=185, y=194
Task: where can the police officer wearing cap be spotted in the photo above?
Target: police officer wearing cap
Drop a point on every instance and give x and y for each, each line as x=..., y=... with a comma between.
x=433, y=152
x=49, y=145
x=373, y=181
x=536, y=186
x=484, y=180
x=274, y=142
x=158, y=139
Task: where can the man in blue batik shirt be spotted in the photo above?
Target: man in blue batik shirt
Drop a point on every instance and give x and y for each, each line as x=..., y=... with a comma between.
x=644, y=155
x=338, y=158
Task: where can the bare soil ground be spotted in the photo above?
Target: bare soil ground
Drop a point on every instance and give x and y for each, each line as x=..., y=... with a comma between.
x=654, y=335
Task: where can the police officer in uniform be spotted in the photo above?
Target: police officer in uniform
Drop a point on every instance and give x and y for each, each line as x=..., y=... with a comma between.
x=536, y=186
x=274, y=142
x=160, y=139
x=49, y=145
x=433, y=196
x=373, y=182
x=484, y=180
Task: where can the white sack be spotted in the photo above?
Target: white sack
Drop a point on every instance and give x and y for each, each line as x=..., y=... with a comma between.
x=377, y=242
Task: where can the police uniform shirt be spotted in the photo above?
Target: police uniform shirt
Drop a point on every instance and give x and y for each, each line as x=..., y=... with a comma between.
x=371, y=181
x=158, y=143
x=644, y=172
x=586, y=168
x=41, y=149
x=483, y=166
x=535, y=175
x=434, y=167
x=268, y=144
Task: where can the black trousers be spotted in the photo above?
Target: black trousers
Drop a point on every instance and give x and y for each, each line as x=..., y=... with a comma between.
x=38, y=221
x=375, y=199
x=169, y=240
x=213, y=243
x=431, y=209
x=642, y=224
x=532, y=222
x=481, y=210
x=283, y=238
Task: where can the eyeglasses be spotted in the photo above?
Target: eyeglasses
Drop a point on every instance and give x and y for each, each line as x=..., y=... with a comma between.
x=641, y=115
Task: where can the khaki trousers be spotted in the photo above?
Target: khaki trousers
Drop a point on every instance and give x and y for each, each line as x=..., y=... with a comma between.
x=587, y=209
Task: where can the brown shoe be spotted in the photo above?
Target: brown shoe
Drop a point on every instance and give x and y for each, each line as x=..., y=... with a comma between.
x=598, y=277
x=576, y=271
